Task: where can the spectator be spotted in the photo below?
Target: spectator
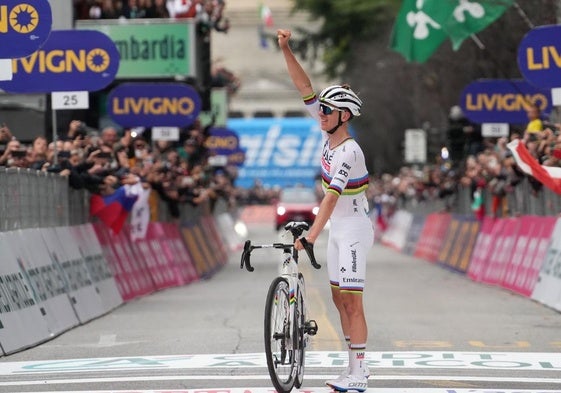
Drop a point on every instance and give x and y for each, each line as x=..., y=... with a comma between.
x=535, y=124
x=158, y=10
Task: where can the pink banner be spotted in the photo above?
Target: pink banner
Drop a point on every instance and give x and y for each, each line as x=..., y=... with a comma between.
x=183, y=263
x=159, y=267
x=123, y=281
x=484, y=247
x=502, y=253
x=522, y=273
x=432, y=236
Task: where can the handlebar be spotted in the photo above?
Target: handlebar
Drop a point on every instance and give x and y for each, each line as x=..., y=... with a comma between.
x=296, y=229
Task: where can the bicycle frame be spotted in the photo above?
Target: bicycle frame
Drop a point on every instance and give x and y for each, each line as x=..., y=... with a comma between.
x=296, y=328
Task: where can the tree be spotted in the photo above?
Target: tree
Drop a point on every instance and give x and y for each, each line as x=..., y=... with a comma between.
x=354, y=38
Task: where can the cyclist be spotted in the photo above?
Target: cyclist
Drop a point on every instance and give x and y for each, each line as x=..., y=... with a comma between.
x=344, y=179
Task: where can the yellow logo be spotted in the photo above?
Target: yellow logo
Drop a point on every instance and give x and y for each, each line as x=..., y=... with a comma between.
x=504, y=102
x=23, y=18
x=549, y=54
x=153, y=106
x=58, y=61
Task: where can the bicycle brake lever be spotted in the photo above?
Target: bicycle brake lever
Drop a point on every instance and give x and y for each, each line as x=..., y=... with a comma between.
x=245, y=257
x=309, y=247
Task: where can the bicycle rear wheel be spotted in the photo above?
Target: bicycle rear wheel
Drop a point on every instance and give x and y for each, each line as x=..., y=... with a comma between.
x=299, y=334
x=279, y=346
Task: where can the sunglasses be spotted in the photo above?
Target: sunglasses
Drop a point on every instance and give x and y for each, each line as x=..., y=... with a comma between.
x=327, y=110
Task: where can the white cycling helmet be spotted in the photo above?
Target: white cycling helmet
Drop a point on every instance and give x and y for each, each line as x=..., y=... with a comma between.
x=341, y=96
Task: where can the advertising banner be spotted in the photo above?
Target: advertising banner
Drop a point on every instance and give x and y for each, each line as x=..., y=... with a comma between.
x=432, y=236
x=24, y=27
x=97, y=265
x=539, y=56
x=529, y=253
x=226, y=142
x=502, y=101
x=46, y=279
x=154, y=105
x=548, y=286
x=278, y=152
x=395, y=235
x=70, y=60
x=459, y=242
x=22, y=322
x=414, y=233
x=160, y=49
x=502, y=252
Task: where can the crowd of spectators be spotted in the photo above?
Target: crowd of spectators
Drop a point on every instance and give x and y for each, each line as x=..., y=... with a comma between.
x=209, y=13
x=101, y=162
x=181, y=172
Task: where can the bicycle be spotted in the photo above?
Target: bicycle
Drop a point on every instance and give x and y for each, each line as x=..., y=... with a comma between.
x=286, y=328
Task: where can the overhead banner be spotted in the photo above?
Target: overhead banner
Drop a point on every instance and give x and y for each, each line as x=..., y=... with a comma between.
x=278, y=152
x=24, y=27
x=154, y=104
x=225, y=142
x=539, y=56
x=70, y=60
x=502, y=101
x=160, y=49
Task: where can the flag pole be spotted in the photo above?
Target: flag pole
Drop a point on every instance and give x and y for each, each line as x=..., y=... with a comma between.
x=477, y=41
x=523, y=15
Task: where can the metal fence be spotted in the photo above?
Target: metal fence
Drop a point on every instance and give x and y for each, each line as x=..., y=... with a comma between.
x=522, y=200
x=35, y=199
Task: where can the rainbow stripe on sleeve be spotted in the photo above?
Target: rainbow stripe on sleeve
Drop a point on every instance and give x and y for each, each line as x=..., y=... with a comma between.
x=310, y=99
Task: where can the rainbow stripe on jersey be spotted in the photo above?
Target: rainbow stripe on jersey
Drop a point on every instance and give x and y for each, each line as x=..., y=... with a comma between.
x=353, y=187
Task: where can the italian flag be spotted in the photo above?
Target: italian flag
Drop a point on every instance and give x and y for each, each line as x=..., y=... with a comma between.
x=266, y=15
x=547, y=175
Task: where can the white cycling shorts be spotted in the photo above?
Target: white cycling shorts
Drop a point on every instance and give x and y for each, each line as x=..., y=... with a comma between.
x=350, y=240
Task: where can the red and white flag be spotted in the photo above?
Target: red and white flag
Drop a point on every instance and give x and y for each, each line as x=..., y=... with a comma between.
x=549, y=176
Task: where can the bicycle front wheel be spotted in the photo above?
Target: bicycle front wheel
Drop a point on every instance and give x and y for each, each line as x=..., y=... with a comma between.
x=299, y=339
x=278, y=341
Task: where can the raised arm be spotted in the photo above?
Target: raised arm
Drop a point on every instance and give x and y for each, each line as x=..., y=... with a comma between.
x=297, y=74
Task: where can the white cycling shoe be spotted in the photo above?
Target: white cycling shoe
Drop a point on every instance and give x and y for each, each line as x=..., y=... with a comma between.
x=342, y=381
x=348, y=383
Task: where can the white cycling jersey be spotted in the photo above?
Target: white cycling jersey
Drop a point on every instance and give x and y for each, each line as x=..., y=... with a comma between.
x=343, y=172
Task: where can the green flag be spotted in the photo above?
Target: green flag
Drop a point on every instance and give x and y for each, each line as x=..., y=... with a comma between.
x=415, y=34
x=462, y=18
x=422, y=25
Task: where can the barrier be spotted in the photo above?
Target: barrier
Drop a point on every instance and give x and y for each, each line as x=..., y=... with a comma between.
x=227, y=230
x=46, y=279
x=177, y=252
x=395, y=235
x=548, y=287
x=21, y=320
x=414, y=234
x=53, y=279
x=98, y=266
x=523, y=268
x=459, y=243
x=432, y=236
x=484, y=247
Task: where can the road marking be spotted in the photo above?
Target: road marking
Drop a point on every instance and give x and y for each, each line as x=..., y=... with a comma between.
x=266, y=377
x=396, y=360
x=316, y=390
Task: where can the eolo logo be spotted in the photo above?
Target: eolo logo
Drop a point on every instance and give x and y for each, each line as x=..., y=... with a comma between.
x=22, y=18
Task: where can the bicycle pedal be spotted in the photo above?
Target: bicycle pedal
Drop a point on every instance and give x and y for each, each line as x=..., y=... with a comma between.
x=311, y=327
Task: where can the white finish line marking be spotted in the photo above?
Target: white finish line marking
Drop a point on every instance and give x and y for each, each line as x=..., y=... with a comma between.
x=266, y=377
x=318, y=390
x=526, y=361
